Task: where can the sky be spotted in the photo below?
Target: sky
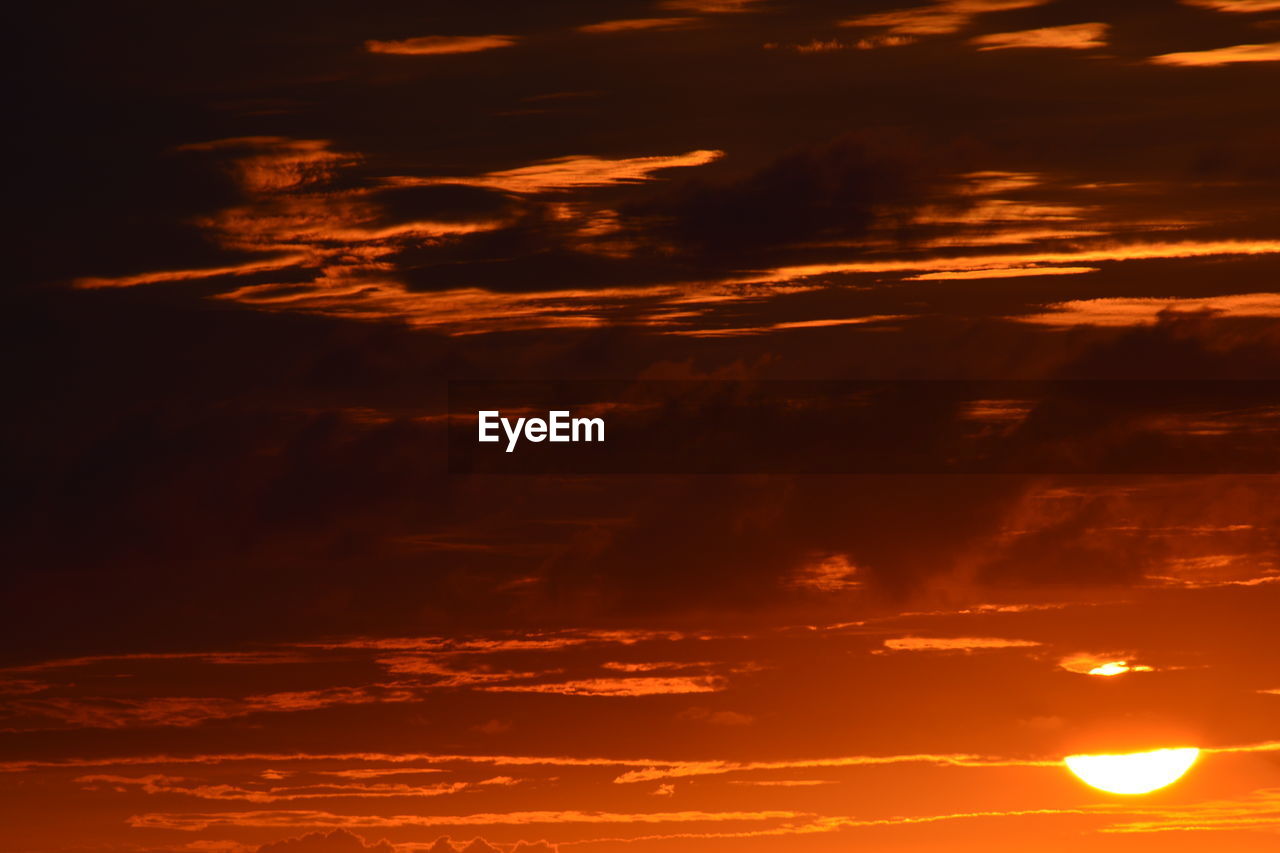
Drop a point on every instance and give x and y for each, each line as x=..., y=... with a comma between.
x=940, y=341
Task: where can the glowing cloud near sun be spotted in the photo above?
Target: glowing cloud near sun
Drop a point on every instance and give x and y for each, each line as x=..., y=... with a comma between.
x=1135, y=772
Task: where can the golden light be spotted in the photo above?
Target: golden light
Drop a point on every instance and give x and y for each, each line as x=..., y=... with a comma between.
x=1135, y=772
x=1117, y=667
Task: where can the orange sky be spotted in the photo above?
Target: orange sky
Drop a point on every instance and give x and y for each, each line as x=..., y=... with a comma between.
x=255, y=606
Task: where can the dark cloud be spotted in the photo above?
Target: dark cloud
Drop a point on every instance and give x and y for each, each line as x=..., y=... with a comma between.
x=827, y=191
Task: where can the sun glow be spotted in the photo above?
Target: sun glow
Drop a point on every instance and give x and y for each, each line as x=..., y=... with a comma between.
x=1133, y=773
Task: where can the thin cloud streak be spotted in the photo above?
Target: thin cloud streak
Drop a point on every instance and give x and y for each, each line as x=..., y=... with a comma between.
x=1236, y=6
x=941, y=18
x=1119, y=311
x=1069, y=37
x=1222, y=56
x=439, y=45
x=564, y=173
x=193, y=822
x=628, y=25
x=962, y=644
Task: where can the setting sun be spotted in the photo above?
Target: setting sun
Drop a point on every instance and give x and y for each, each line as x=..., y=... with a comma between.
x=1133, y=773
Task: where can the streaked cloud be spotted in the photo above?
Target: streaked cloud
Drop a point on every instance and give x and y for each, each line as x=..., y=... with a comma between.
x=438, y=45
x=1238, y=6
x=563, y=173
x=156, y=783
x=1008, y=272
x=1269, y=52
x=1071, y=37
x=950, y=644
x=1134, y=311
x=98, y=712
x=638, y=686
x=1104, y=251
x=298, y=818
x=681, y=769
x=941, y=18
x=627, y=25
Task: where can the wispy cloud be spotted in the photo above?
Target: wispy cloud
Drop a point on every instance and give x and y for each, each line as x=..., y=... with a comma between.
x=113, y=713
x=156, y=783
x=1134, y=311
x=1071, y=37
x=1238, y=6
x=437, y=45
x=952, y=644
x=626, y=25
x=637, y=686
x=297, y=818
x=565, y=173
x=1269, y=52
x=941, y=18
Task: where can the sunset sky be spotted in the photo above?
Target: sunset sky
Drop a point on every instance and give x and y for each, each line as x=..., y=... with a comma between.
x=255, y=600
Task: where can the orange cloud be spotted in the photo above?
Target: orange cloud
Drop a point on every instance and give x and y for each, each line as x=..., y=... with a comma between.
x=1011, y=272
x=1119, y=311
x=115, y=713
x=1108, y=251
x=717, y=718
x=641, y=686
x=485, y=645
x=965, y=644
x=1238, y=6
x=1106, y=666
x=682, y=769
x=565, y=173
x=943, y=17
x=1071, y=37
x=435, y=45
x=192, y=822
x=160, y=784
x=634, y=24
x=338, y=841
x=1222, y=56
x=831, y=574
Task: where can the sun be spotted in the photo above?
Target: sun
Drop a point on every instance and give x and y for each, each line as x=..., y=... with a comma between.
x=1134, y=772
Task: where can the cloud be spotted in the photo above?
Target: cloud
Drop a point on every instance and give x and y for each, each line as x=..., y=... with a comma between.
x=685, y=769
x=1109, y=250
x=162, y=784
x=338, y=841
x=941, y=18
x=438, y=45
x=1137, y=311
x=635, y=24
x=1239, y=6
x=963, y=644
x=1071, y=36
x=641, y=686
x=564, y=173
x=836, y=189
x=192, y=822
x=1222, y=56
x=716, y=718
x=1103, y=665
x=113, y=713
